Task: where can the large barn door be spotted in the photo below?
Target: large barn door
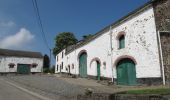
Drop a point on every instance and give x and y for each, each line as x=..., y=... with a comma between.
x=126, y=72
x=83, y=65
x=23, y=69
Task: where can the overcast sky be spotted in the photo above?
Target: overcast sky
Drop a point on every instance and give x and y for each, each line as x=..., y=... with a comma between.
x=19, y=29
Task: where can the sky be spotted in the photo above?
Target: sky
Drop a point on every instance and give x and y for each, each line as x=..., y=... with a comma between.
x=19, y=29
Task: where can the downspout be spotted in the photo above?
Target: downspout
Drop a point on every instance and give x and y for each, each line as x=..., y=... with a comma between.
x=75, y=58
x=161, y=56
x=111, y=49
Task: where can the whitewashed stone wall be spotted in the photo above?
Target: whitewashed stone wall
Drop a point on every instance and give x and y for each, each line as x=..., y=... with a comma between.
x=4, y=61
x=140, y=45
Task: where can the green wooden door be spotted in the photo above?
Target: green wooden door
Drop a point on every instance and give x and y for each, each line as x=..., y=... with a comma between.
x=98, y=70
x=23, y=69
x=126, y=72
x=83, y=65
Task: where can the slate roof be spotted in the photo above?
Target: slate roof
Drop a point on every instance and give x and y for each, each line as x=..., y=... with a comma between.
x=17, y=53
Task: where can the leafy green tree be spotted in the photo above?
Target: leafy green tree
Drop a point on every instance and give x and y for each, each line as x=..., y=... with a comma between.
x=62, y=40
x=87, y=36
x=52, y=69
x=46, y=63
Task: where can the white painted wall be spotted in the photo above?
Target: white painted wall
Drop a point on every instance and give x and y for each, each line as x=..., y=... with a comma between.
x=140, y=44
x=4, y=61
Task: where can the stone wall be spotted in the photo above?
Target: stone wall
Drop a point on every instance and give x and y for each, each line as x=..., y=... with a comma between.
x=162, y=14
x=162, y=18
x=107, y=96
x=165, y=42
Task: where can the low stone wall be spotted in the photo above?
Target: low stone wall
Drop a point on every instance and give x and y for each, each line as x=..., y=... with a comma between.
x=105, y=96
x=149, y=81
x=107, y=81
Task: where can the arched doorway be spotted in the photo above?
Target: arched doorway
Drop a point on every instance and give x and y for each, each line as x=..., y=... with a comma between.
x=83, y=65
x=98, y=70
x=126, y=72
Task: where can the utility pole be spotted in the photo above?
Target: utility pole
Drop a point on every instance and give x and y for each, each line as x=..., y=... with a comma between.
x=50, y=57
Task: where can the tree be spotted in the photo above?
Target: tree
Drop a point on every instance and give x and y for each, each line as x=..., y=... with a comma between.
x=87, y=36
x=52, y=69
x=63, y=40
x=46, y=62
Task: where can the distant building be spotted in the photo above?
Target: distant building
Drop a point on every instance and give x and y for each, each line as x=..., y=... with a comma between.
x=21, y=62
x=133, y=50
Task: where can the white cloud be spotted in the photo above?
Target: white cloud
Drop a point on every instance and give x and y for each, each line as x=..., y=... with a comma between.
x=17, y=41
x=6, y=24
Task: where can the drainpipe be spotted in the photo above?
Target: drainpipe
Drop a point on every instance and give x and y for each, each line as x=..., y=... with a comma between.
x=162, y=64
x=75, y=58
x=111, y=49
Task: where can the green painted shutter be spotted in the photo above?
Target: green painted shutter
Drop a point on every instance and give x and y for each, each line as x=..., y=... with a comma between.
x=122, y=42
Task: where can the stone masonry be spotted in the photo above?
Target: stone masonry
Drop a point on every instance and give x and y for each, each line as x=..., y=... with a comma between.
x=162, y=18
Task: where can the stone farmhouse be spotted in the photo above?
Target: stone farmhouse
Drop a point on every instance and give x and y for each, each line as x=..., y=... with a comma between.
x=133, y=50
x=21, y=62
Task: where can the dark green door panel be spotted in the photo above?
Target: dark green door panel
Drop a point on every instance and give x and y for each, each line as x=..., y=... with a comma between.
x=126, y=72
x=131, y=73
x=83, y=65
x=23, y=69
x=122, y=74
x=98, y=70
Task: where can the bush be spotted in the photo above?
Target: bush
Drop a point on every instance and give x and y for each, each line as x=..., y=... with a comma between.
x=46, y=70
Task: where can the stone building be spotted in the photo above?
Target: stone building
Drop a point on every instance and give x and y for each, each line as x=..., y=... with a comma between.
x=133, y=50
x=21, y=62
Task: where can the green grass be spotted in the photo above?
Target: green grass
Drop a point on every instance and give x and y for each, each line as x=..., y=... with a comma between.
x=161, y=91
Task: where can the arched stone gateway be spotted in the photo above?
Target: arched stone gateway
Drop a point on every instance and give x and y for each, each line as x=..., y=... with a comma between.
x=83, y=64
x=126, y=72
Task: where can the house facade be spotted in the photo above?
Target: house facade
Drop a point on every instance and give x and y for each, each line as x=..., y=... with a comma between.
x=133, y=50
x=21, y=62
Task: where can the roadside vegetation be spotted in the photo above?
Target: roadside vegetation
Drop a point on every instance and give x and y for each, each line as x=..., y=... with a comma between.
x=161, y=91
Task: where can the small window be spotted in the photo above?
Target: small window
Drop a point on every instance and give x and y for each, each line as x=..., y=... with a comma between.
x=57, y=68
x=34, y=65
x=122, y=42
x=57, y=58
x=11, y=65
x=62, y=54
x=62, y=65
x=72, y=66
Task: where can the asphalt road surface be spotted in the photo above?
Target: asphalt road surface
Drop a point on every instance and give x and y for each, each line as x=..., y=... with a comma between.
x=10, y=92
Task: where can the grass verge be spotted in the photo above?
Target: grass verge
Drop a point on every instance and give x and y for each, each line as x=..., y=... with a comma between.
x=161, y=91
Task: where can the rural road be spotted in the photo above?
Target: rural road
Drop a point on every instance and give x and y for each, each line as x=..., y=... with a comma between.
x=10, y=91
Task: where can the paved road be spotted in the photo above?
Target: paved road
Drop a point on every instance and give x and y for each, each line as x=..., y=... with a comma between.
x=9, y=92
x=47, y=86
